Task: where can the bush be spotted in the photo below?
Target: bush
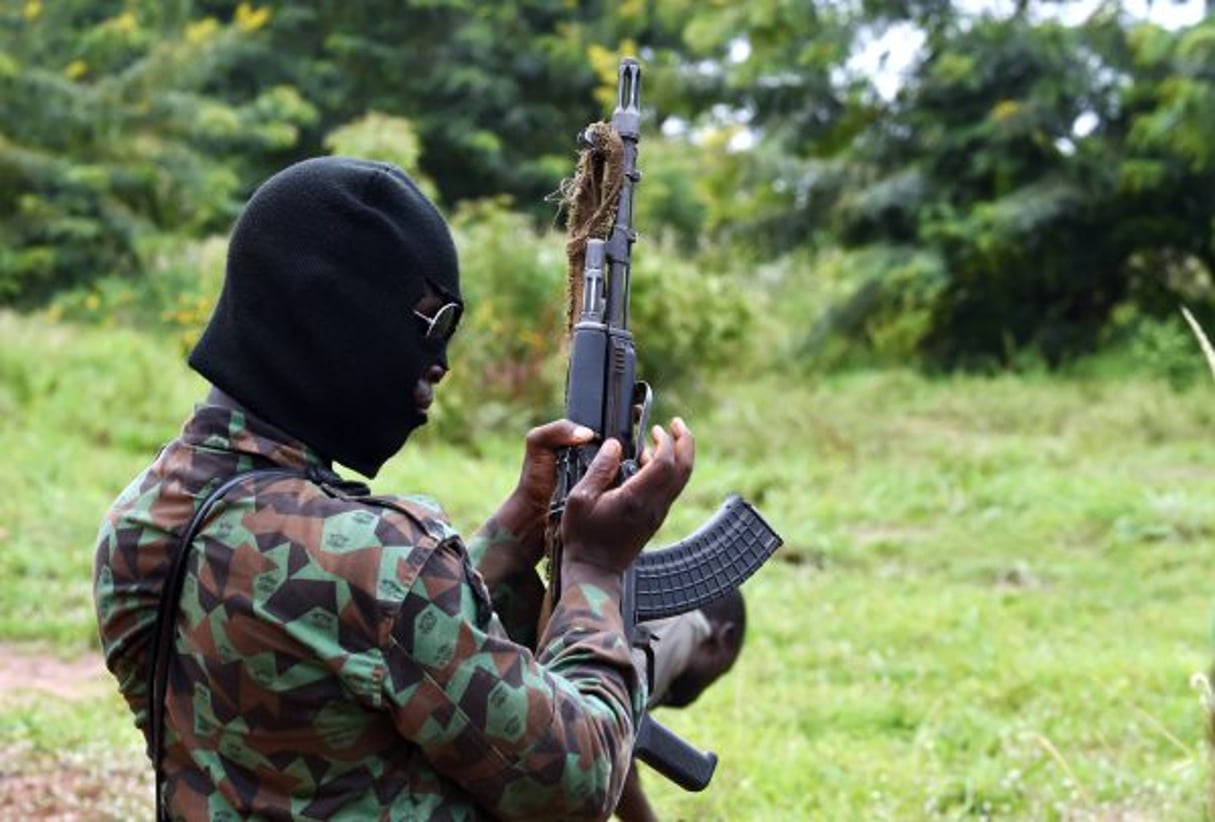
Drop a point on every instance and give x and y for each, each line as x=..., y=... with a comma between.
x=879, y=306
x=509, y=358
x=181, y=282
x=1138, y=343
x=689, y=320
x=506, y=371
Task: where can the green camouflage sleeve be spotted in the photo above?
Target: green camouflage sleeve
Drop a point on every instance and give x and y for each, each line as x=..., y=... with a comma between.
x=525, y=735
x=518, y=597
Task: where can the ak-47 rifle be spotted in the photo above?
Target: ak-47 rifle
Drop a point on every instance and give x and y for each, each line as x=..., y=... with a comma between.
x=603, y=394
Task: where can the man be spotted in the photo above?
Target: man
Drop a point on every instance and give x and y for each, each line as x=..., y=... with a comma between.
x=334, y=655
x=691, y=652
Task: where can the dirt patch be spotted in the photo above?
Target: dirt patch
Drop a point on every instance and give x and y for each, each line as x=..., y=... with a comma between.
x=99, y=783
x=24, y=672
x=76, y=786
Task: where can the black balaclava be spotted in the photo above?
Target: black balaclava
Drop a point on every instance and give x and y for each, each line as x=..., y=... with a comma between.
x=314, y=330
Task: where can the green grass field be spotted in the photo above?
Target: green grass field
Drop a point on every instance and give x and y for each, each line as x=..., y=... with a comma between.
x=992, y=599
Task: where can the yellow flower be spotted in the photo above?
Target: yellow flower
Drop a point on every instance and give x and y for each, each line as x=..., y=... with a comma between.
x=1006, y=109
x=249, y=19
x=75, y=69
x=201, y=31
x=33, y=10
x=632, y=8
x=125, y=23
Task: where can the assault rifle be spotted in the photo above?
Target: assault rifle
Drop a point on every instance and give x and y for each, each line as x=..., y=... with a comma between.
x=603, y=394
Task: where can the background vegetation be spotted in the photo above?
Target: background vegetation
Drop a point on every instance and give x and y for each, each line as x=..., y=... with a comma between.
x=1031, y=191
x=932, y=332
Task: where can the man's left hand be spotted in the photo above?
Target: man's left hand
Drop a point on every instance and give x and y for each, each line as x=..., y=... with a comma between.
x=525, y=511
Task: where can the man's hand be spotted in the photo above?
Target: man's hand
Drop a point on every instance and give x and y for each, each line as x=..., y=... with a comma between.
x=525, y=511
x=604, y=527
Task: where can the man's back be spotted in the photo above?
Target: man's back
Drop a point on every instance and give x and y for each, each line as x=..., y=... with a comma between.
x=282, y=624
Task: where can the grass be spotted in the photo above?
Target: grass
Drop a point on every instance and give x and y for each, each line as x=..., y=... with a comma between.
x=991, y=600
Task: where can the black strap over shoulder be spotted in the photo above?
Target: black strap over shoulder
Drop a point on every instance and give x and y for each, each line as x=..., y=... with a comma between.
x=166, y=614
x=166, y=617
x=170, y=595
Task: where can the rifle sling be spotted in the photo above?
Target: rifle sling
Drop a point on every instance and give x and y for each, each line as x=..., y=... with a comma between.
x=164, y=631
x=166, y=616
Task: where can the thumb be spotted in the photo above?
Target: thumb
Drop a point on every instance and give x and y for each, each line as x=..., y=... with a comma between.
x=602, y=471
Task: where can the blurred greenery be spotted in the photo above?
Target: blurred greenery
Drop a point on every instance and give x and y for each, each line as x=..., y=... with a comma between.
x=930, y=327
x=1027, y=184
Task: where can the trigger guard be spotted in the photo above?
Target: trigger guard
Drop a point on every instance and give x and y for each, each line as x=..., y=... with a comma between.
x=627, y=469
x=643, y=396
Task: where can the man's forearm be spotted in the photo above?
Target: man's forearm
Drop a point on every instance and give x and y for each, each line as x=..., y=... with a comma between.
x=527, y=735
x=514, y=586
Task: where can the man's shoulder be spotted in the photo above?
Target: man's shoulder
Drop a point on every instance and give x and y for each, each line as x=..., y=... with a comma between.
x=303, y=511
x=425, y=511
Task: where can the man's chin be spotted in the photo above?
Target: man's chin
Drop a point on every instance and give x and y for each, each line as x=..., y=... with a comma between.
x=419, y=420
x=416, y=420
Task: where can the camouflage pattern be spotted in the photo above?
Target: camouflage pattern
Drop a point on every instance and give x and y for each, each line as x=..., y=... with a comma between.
x=336, y=659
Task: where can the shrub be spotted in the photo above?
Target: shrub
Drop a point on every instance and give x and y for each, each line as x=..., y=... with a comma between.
x=181, y=281
x=882, y=310
x=509, y=358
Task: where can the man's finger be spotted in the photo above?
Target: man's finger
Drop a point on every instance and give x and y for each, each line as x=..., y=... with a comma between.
x=685, y=444
x=559, y=433
x=664, y=446
x=647, y=454
x=601, y=473
x=658, y=469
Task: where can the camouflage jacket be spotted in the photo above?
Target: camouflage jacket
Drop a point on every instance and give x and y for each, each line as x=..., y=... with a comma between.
x=337, y=659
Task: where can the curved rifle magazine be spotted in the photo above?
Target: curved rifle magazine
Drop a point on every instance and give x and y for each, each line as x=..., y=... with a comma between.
x=715, y=559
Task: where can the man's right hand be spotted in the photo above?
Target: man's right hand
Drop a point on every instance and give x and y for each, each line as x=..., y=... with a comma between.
x=607, y=527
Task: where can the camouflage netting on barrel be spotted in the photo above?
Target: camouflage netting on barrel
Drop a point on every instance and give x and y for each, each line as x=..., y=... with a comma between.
x=590, y=199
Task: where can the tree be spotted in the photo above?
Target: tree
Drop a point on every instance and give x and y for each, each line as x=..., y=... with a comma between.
x=108, y=140
x=496, y=92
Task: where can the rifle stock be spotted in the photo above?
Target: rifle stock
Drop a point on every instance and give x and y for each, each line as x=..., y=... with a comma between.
x=659, y=747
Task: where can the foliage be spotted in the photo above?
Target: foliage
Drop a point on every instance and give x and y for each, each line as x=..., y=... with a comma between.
x=982, y=162
x=1137, y=343
x=495, y=91
x=1027, y=183
x=1055, y=172
x=886, y=312
x=181, y=282
x=505, y=368
x=376, y=136
x=109, y=138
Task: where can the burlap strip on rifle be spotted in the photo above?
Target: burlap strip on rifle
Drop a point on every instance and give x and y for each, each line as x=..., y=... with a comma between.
x=591, y=199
